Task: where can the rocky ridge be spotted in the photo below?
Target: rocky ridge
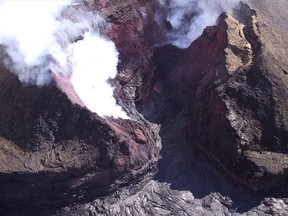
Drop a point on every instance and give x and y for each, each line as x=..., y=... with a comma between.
x=225, y=85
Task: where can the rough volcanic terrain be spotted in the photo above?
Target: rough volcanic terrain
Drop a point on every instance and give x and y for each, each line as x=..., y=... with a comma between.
x=217, y=110
x=229, y=86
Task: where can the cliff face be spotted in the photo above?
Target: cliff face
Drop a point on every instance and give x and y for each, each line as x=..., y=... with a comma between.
x=222, y=109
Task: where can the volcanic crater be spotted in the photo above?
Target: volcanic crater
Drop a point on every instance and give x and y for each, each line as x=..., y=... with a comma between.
x=207, y=133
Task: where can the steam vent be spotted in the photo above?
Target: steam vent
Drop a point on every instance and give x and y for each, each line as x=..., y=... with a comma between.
x=135, y=108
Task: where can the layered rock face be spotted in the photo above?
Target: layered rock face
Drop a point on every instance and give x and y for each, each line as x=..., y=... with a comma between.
x=230, y=86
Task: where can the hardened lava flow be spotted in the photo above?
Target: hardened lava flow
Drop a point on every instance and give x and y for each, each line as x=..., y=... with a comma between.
x=217, y=109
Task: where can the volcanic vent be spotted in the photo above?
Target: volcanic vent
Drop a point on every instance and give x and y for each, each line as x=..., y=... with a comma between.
x=63, y=151
x=219, y=104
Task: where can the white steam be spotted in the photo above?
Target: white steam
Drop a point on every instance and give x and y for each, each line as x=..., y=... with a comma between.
x=95, y=60
x=27, y=31
x=40, y=36
x=189, y=18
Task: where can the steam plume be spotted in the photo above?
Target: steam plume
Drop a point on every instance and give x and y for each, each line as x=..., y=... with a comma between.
x=40, y=36
x=188, y=18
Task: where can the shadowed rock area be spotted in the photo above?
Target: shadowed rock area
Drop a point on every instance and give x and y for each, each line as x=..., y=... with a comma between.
x=219, y=107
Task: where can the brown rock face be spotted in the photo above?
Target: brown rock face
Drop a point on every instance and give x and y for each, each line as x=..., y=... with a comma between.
x=230, y=86
x=54, y=151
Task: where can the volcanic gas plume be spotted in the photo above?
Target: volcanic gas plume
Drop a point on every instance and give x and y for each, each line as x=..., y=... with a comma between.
x=42, y=38
x=188, y=18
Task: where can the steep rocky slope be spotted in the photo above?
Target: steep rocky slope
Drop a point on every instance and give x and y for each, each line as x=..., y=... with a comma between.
x=57, y=150
x=220, y=105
